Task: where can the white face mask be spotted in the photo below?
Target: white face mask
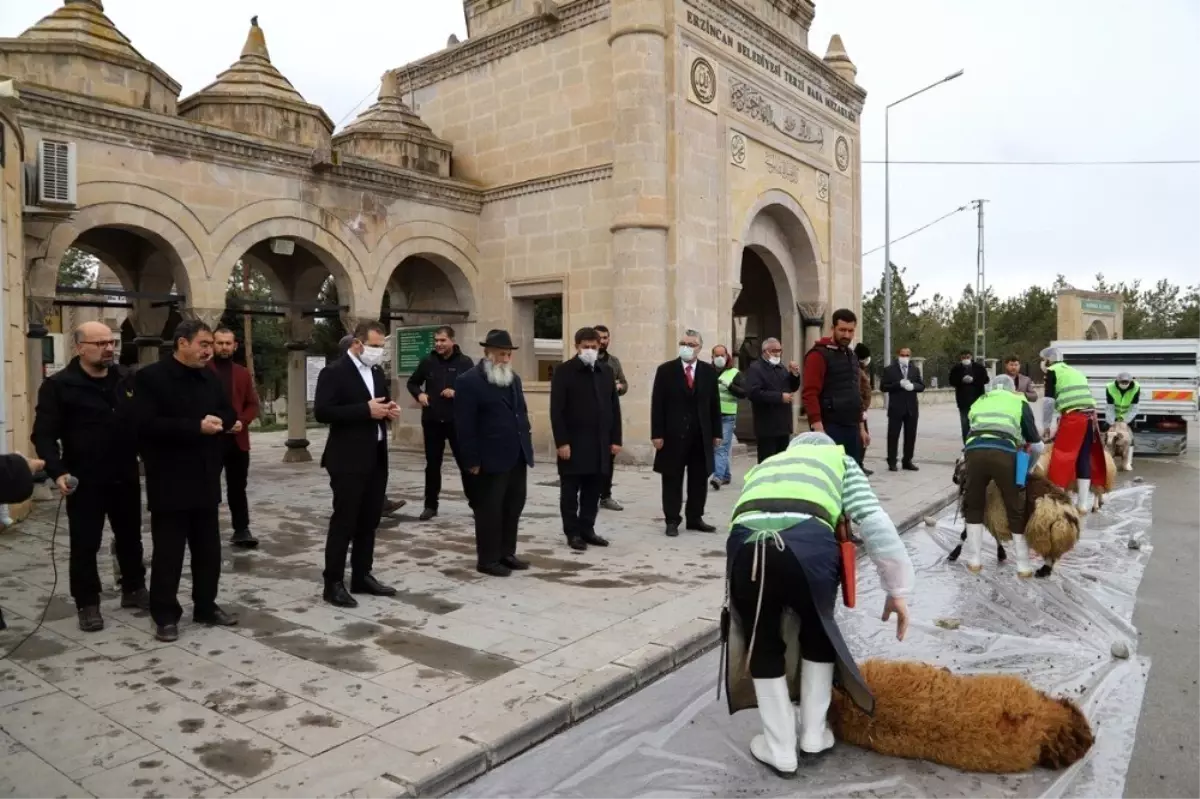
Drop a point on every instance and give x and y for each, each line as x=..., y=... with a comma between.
x=774, y=360
x=589, y=356
x=865, y=362
x=719, y=361
x=1122, y=386
x=966, y=362
x=686, y=353
x=903, y=360
x=371, y=356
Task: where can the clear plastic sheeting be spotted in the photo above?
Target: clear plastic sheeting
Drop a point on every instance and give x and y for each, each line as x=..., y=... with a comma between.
x=675, y=739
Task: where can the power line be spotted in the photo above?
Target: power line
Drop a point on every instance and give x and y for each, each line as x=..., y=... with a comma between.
x=918, y=230
x=1041, y=163
x=357, y=105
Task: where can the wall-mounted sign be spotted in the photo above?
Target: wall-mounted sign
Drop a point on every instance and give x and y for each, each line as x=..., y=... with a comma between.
x=702, y=81
x=1098, y=306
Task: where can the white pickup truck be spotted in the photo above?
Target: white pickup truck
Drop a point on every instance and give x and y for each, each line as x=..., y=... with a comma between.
x=1166, y=369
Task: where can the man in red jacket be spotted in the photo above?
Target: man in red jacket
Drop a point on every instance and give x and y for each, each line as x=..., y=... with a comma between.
x=830, y=392
x=239, y=387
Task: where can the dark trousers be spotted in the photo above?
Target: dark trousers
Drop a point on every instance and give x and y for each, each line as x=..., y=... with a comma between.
x=86, y=511
x=965, y=422
x=862, y=451
x=437, y=435
x=579, y=502
x=985, y=466
x=606, y=480
x=786, y=586
x=357, y=508
x=697, y=485
x=771, y=445
x=909, y=425
x=499, y=498
x=237, y=470
x=200, y=532
x=848, y=436
x=1083, y=461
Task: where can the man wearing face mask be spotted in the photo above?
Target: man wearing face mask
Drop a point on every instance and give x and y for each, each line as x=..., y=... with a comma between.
x=771, y=388
x=902, y=382
x=352, y=398
x=239, y=388
x=970, y=380
x=730, y=389
x=685, y=425
x=1123, y=396
x=606, y=498
x=390, y=506
x=585, y=418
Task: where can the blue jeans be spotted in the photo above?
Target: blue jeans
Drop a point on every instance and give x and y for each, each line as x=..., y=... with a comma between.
x=721, y=456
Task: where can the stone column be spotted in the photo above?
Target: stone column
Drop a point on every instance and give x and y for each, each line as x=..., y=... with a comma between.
x=640, y=214
x=990, y=363
x=919, y=362
x=297, y=404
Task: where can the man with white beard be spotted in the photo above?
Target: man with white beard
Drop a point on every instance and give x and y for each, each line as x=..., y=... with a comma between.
x=492, y=423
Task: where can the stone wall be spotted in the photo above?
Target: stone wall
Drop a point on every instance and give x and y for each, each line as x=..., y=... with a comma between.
x=16, y=376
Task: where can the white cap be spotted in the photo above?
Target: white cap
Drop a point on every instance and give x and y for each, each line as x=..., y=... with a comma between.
x=811, y=437
x=1124, y=377
x=1052, y=354
x=1002, y=382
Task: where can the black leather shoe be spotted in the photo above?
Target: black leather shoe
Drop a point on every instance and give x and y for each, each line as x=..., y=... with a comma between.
x=388, y=522
x=337, y=594
x=892, y=467
x=3, y=623
x=701, y=526
x=393, y=505
x=136, y=600
x=243, y=539
x=867, y=472
x=595, y=540
x=427, y=514
x=514, y=563
x=911, y=467
x=715, y=485
x=577, y=543
x=90, y=620
x=672, y=530
x=216, y=618
x=367, y=584
x=494, y=569
x=167, y=632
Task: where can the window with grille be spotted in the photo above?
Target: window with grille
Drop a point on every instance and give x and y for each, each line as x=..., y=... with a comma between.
x=56, y=178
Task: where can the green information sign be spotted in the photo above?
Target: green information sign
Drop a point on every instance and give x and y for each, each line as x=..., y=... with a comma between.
x=1100, y=306
x=410, y=347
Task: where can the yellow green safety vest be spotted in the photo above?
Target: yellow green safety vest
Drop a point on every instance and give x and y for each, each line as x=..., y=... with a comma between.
x=997, y=414
x=1071, y=392
x=1122, y=402
x=729, y=405
x=803, y=480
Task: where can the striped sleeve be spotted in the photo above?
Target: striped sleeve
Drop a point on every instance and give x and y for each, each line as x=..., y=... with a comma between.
x=879, y=534
x=858, y=498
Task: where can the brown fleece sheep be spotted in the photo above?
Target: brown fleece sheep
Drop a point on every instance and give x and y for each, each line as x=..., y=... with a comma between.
x=1052, y=523
x=1098, y=491
x=993, y=723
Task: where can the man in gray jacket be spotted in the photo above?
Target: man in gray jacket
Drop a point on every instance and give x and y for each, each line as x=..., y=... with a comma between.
x=606, y=499
x=1012, y=368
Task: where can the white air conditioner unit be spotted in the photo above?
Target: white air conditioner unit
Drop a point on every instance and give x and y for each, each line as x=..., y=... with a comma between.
x=56, y=182
x=283, y=246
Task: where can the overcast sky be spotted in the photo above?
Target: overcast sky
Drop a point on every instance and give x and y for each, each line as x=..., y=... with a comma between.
x=1062, y=80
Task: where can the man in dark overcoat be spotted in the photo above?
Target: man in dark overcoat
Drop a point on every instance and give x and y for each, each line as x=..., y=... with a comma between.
x=685, y=428
x=585, y=418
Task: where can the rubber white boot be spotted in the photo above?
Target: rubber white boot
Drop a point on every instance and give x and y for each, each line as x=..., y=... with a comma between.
x=1083, y=496
x=776, y=747
x=973, y=548
x=1022, y=549
x=1129, y=459
x=816, y=692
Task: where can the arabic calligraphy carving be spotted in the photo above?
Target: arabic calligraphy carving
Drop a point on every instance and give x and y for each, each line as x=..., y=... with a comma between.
x=750, y=102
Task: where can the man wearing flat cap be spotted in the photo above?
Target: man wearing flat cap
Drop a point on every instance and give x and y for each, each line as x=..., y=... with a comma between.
x=492, y=423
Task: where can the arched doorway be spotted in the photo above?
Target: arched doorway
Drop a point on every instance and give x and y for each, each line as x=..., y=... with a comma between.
x=1096, y=332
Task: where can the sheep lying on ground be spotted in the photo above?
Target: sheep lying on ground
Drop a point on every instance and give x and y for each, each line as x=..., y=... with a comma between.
x=1098, y=490
x=1119, y=443
x=995, y=723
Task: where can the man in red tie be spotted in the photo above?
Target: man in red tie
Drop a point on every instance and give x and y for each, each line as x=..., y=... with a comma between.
x=685, y=428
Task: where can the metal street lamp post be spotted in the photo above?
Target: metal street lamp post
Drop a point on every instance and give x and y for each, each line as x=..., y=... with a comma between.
x=887, y=219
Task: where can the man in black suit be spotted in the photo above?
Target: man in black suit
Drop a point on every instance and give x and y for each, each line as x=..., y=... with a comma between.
x=352, y=398
x=901, y=382
x=492, y=424
x=181, y=412
x=685, y=428
x=585, y=417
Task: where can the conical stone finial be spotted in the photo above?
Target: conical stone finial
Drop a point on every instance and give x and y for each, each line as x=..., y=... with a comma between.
x=389, y=86
x=256, y=42
x=839, y=60
x=96, y=4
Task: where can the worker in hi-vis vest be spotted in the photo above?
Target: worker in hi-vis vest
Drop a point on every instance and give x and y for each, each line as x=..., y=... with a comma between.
x=1071, y=410
x=729, y=391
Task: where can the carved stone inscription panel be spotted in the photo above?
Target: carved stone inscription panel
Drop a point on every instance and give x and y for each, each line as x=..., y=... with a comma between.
x=748, y=101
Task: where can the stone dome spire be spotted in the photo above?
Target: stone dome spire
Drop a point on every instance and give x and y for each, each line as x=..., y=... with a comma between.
x=839, y=60
x=254, y=97
x=389, y=131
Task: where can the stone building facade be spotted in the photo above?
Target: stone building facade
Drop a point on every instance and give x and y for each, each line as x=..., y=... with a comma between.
x=657, y=164
x=1091, y=315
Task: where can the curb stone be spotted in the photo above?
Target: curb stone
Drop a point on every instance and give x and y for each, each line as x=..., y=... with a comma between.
x=599, y=689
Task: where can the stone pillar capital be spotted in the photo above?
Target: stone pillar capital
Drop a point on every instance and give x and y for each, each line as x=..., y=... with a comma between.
x=37, y=309
x=812, y=314
x=209, y=316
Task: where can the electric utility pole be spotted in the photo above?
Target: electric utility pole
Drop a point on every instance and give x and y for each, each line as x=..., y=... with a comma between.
x=980, y=289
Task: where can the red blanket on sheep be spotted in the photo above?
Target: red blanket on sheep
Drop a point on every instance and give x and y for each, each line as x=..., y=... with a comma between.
x=1073, y=428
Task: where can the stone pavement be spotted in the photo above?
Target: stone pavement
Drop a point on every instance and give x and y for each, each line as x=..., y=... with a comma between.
x=411, y=695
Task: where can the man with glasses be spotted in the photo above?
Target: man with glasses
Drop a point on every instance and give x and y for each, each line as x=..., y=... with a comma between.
x=771, y=388
x=82, y=429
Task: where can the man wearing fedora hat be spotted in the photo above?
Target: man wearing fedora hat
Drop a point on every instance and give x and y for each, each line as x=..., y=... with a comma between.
x=492, y=424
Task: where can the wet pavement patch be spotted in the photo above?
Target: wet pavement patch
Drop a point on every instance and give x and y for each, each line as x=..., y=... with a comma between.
x=359, y=631
x=318, y=720
x=445, y=656
x=236, y=758
x=190, y=725
x=262, y=623
x=38, y=648
x=429, y=603
x=348, y=657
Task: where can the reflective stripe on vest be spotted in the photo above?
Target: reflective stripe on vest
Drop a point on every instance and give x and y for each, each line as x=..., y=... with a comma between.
x=1071, y=390
x=997, y=414
x=1122, y=402
x=729, y=405
x=803, y=480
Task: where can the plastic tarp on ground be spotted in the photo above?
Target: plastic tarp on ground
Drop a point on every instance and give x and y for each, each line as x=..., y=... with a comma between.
x=675, y=739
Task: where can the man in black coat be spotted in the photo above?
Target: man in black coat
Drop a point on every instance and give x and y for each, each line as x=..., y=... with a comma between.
x=585, y=417
x=85, y=410
x=970, y=379
x=352, y=398
x=181, y=412
x=16, y=485
x=432, y=385
x=901, y=382
x=494, y=442
x=771, y=387
x=685, y=428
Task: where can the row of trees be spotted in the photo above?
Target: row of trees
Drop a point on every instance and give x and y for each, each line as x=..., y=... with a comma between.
x=939, y=327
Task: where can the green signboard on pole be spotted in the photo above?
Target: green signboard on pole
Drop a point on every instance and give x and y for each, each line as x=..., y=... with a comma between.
x=410, y=345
